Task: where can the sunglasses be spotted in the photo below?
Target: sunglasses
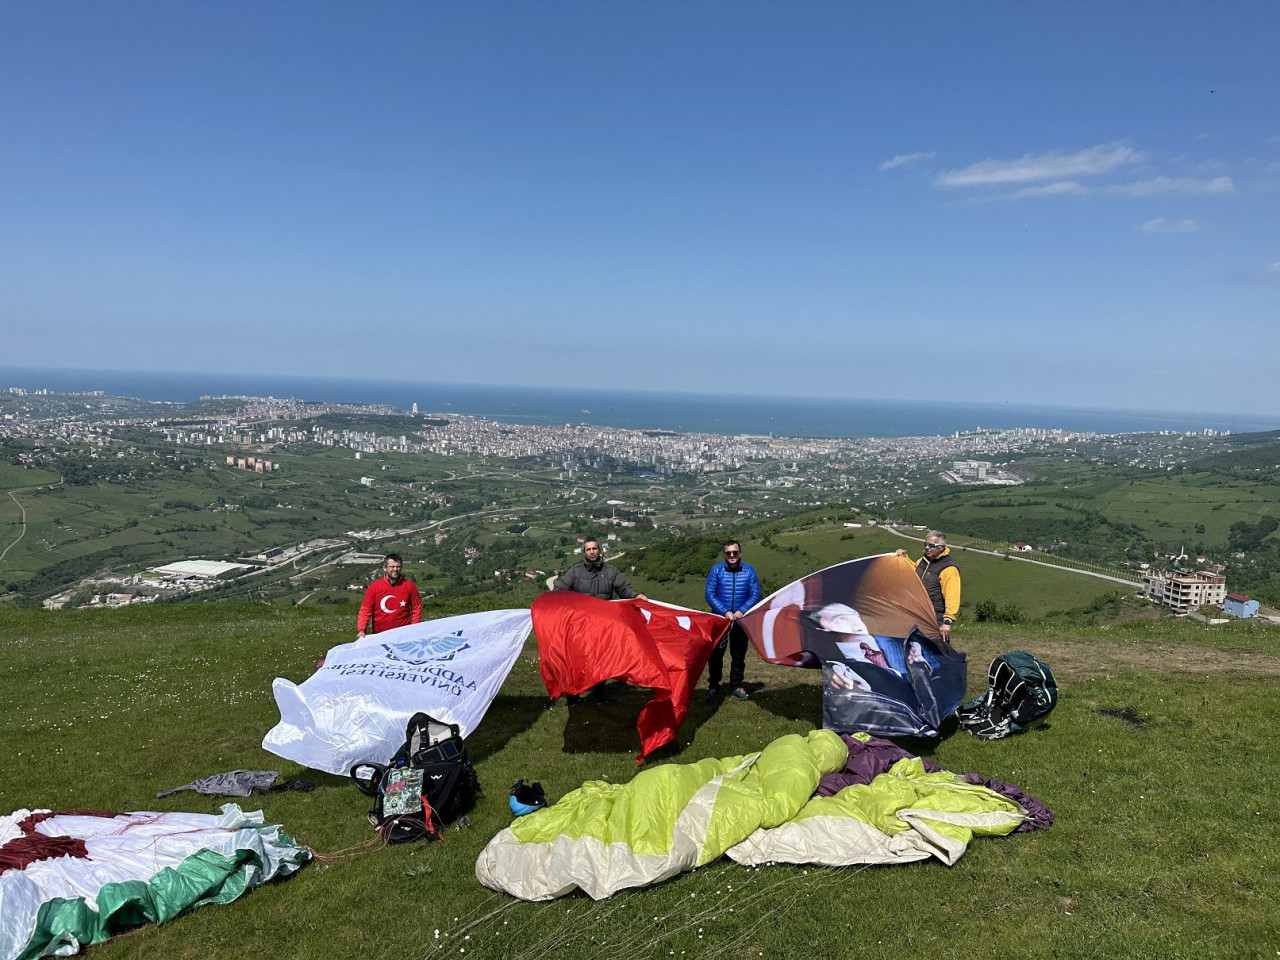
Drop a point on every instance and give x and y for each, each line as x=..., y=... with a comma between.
x=933, y=546
x=731, y=553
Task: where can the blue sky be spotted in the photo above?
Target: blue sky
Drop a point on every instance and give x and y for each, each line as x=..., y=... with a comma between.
x=1069, y=204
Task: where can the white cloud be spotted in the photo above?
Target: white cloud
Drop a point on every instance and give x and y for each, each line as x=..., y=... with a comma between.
x=1103, y=158
x=903, y=159
x=1267, y=274
x=1163, y=225
x=1059, y=174
x=1183, y=186
x=1061, y=188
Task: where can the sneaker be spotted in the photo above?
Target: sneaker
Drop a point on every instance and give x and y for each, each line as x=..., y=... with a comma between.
x=713, y=693
x=739, y=694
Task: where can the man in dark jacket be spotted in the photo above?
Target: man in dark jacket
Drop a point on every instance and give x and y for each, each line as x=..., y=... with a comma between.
x=596, y=578
x=732, y=590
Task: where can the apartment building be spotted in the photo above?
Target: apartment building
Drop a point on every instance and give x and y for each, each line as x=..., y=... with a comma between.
x=1185, y=593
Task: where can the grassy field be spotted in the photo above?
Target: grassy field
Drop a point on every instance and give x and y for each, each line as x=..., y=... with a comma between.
x=1037, y=591
x=214, y=509
x=1156, y=762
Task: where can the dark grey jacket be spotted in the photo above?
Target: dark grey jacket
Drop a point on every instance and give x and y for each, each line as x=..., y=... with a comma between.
x=601, y=584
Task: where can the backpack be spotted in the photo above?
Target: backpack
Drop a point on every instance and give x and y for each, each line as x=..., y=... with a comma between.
x=1021, y=689
x=427, y=783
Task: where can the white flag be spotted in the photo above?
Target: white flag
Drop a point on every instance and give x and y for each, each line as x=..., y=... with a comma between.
x=355, y=708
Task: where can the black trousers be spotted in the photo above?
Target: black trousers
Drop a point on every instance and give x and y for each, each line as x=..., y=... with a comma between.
x=737, y=643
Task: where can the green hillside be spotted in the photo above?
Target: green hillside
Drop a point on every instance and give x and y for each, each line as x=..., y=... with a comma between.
x=1259, y=461
x=1225, y=507
x=133, y=511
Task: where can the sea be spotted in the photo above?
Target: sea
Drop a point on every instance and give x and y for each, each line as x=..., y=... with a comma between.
x=639, y=410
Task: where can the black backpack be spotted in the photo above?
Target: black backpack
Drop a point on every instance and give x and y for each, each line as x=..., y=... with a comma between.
x=427, y=783
x=1021, y=689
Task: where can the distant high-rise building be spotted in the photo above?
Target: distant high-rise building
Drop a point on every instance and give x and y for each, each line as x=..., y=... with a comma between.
x=415, y=409
x=970, y=469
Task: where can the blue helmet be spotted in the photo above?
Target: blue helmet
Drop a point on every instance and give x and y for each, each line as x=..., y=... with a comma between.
x=526, y=798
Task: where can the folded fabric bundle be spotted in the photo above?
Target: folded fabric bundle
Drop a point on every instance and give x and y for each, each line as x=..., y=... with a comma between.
x=759, y=808
x=75, y=878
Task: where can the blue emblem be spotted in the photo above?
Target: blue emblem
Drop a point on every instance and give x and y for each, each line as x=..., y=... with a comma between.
x=427, y=649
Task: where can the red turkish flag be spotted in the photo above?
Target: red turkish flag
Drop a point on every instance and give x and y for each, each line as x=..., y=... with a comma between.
x=583, y=641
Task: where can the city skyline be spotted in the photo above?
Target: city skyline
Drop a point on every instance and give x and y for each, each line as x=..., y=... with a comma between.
x=1068, y=206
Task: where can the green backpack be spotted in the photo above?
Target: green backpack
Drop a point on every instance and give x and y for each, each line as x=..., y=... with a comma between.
x=1021, y=689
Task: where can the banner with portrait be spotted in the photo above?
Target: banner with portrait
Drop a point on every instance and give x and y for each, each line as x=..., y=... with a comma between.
x=869, y=625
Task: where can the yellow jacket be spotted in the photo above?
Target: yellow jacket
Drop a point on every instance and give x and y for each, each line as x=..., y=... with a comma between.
x=942, y=581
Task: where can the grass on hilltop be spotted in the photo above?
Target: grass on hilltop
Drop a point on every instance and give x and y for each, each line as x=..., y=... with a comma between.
x=1156, y=762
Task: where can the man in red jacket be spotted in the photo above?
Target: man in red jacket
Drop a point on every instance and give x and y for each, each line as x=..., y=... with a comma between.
x=390, y=602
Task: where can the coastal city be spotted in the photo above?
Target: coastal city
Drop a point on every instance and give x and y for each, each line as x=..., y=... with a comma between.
x=457, y=485
x=270, y=424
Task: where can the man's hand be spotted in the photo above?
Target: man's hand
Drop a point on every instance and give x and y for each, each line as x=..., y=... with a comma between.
x=641, y=596
x=899, y=552
x=945, y=628
x=359, y=634
x=843, y=678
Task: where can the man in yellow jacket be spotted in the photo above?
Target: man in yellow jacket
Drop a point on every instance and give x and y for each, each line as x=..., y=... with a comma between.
x=941, y=578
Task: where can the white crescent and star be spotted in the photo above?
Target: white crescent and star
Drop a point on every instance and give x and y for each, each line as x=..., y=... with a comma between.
x=383, y=603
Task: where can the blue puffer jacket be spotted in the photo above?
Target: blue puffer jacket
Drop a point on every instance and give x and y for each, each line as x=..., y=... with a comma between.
x=730, y=590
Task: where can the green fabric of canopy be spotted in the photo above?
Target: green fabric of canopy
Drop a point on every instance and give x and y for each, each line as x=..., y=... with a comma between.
x=139, y=868
x=603, y=837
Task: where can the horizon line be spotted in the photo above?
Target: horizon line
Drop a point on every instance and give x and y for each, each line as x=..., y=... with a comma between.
x=1030, y=405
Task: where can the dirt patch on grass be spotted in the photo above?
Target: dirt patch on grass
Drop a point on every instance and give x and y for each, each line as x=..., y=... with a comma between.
x=1081, y=661
x=1075, y=661
x=1127, y=714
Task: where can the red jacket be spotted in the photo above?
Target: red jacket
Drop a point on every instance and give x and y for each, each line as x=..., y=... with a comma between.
x=389, y=606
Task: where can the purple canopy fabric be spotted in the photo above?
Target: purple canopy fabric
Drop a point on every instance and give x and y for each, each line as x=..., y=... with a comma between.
x=870, y=759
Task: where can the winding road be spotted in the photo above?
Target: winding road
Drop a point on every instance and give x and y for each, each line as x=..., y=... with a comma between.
x=23, y=511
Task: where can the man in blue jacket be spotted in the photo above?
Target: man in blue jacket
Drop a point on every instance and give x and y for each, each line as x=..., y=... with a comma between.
x=732, y=590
